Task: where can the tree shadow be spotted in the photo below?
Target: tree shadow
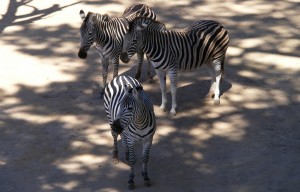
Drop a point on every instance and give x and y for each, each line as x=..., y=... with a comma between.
x=55, y=137
x=10, y=18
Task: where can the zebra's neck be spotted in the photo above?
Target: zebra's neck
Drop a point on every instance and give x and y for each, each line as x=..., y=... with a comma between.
x=110, y=33
x=143, y=117
x=156, y=45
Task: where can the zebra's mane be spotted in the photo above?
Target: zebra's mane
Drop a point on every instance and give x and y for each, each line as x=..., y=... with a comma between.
x=133, y=9
x=99, y=17
x=153, y=24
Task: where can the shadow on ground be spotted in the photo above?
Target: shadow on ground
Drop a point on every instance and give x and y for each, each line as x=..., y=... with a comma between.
x=58, y=135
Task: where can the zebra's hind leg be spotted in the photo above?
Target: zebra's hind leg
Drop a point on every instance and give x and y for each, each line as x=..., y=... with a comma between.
x=173, y=81
x=217, y=64
x=145, y=158
x=132, y=161
x=210, y=68
x=115, y=150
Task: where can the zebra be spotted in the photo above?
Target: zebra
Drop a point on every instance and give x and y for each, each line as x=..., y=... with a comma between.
x=130, y=113
x=107, y=33
x=204, y=42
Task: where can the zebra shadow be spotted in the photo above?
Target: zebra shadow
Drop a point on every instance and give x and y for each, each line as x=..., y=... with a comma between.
x=192, y=91
x=197, y=94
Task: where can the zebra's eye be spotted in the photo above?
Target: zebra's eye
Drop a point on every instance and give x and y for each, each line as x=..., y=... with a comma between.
x=130, y=108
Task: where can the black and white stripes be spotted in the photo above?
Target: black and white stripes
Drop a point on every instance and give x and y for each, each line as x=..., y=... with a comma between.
x=130, y=113
x=204, y=42
x=108, y=33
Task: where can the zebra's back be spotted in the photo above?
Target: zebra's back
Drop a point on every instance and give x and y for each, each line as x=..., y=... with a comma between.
x=139, y=10
x=204, y=41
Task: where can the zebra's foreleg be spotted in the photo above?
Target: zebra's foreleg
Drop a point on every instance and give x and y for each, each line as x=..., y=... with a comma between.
x=105, y=63
x=115, y=62
x=125, y=145
x=115, y=149
x=211, y=71
x=140, y=57
x=132, y=161
x=162, y=82
x=145, y=158
x=173, y=81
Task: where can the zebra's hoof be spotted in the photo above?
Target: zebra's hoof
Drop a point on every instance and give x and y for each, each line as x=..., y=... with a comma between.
x=115, y=159
x=163, y=108
x=216, y=101
x=147, y=183
x=173, y=112
x=130, y=186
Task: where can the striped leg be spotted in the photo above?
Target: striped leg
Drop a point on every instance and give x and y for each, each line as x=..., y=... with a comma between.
x=145, y=157
x=211, y=71
x=125, y=145
x=162, y=82
x=132, y=161
x=173, y=81
x=115, y=62
x=115, y=150
x=218, y=74
x=105, y=63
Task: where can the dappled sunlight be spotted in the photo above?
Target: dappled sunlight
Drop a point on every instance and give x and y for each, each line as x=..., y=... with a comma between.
x=54, y=131
x=232, y=128
x=80, y=163
x=280, y=62
x=69, y=186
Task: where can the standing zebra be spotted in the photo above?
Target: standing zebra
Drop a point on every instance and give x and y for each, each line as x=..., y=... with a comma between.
x=107, y=33
x=130, y=113
x=204, y=42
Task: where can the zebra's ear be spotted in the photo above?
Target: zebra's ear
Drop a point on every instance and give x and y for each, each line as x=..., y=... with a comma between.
x=136, y=91
x=82, y=14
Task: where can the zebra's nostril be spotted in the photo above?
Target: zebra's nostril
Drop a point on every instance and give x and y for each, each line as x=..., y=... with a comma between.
x=124, y=57
x=82, y=54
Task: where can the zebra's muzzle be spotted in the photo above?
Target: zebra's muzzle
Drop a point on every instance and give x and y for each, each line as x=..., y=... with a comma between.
x=124, y=57
x=117, y=126
x=82, y=54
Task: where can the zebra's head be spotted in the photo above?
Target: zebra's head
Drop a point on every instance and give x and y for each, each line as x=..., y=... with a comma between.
x=87, y=31
x=134, y=38
x=130, y=107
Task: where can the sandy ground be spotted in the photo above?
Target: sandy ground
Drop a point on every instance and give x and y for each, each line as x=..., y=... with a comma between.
x=54, y=134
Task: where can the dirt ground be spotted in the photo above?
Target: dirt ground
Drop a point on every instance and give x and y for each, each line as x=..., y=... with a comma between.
x=54, y=134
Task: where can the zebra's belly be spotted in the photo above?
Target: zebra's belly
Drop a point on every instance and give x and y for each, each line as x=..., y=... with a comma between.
x=108, y=52
x=161, y=65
